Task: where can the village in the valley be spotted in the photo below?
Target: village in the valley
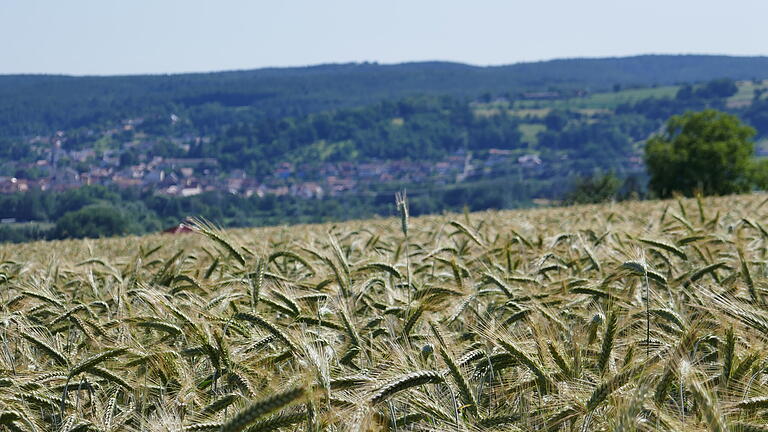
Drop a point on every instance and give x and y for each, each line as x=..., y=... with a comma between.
x=58, y=167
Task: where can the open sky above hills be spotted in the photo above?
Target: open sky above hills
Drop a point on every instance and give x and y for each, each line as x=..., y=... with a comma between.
x=143, y=36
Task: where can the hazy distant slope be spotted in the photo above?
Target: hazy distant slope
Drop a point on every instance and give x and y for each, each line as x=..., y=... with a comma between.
x=34, y=103
x=641, y=70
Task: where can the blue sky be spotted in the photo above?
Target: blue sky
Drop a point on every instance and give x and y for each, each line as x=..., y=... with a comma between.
x=166, y=36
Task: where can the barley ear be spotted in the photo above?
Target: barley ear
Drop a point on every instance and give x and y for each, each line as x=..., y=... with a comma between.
x=705, y=400
x=405, y=382
x=464, y=390
x=261, y=408
x=607, y=346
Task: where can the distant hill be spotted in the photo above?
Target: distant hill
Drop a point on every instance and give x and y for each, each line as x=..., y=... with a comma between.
x=31, y=104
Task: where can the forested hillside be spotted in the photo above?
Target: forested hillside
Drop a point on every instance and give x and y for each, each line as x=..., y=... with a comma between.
x=36, y=104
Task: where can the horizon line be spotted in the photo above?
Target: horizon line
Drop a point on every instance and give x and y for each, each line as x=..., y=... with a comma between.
x=377, y=63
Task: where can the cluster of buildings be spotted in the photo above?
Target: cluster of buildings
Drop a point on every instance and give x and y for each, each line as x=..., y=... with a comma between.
x=57, y=168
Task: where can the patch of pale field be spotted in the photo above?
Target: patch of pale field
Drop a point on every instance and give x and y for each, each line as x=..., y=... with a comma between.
x=532, y=112
x=745, y=94
x=487, y=112
x=591, y=112
x=530, y=132
x=597, y=317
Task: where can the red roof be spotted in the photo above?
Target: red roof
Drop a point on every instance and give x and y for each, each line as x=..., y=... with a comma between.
x=178, y=229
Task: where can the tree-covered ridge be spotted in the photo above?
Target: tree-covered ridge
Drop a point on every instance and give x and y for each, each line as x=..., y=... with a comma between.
x=412, y=128
x=32, y=104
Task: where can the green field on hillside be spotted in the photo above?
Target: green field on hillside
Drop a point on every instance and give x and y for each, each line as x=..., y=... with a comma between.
x=530, y=132
x=634, y=316
x=597, y=103
x=607, y=100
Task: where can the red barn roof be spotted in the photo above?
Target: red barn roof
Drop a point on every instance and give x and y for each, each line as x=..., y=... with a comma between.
x=179, y=229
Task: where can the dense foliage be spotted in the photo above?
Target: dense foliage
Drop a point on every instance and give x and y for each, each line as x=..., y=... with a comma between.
x=640, y=316
x=709, y=152
x=92, y=221
x=414, y=128
x=602, y=188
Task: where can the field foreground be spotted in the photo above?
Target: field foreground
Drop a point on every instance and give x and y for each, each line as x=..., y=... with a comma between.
x=637, y=316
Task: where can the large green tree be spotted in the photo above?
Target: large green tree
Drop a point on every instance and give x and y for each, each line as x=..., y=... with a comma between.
x=708, y=152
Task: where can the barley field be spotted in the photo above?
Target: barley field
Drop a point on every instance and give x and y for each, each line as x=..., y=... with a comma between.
x=641, y=316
